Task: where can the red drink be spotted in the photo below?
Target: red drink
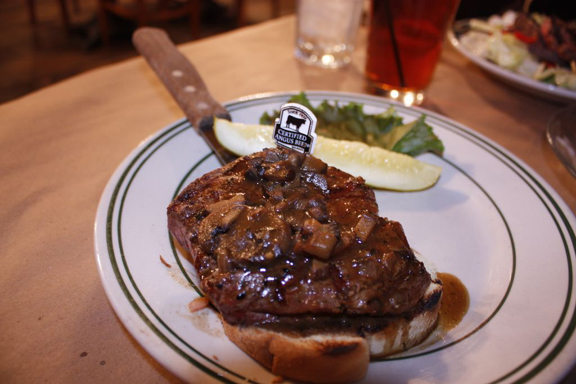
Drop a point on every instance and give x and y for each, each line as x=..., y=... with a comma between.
x=405, y=41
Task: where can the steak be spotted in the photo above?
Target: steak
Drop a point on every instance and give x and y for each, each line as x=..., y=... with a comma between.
x=280, y=239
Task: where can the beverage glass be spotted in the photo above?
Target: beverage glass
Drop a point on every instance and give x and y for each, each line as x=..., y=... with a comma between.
x=404, y=43
x=326, y=31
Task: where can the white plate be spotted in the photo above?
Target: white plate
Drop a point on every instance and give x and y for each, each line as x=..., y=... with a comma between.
x=517, y=80
x=490, y=220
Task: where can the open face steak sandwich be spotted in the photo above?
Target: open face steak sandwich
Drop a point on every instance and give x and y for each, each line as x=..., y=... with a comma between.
x=308, y=279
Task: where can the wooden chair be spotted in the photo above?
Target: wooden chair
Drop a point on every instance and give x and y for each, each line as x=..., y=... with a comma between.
x=144, y=12
x=241, y=11
x=63, y=10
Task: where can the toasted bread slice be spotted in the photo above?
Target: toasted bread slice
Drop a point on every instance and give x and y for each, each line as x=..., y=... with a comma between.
x=334, y=357
x=322, y=358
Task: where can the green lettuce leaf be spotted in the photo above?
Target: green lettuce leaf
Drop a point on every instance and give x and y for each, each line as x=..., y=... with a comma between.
x=386, y=130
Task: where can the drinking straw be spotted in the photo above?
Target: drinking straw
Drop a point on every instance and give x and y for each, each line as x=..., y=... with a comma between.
x=394, y=43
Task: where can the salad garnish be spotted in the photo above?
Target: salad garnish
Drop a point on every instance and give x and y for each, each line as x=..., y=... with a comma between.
x=386, y=130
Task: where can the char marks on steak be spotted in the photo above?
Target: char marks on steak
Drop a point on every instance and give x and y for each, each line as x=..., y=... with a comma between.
x=279, y=237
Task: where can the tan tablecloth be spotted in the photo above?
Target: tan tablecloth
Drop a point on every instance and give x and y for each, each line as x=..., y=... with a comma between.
x=59, y=146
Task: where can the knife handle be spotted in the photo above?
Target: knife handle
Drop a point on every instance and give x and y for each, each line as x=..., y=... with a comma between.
x=184, y=83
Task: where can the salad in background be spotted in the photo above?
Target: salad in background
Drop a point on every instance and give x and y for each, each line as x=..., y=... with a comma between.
x=534, y=45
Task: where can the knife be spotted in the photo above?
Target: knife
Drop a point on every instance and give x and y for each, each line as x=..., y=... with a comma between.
x=185, y=85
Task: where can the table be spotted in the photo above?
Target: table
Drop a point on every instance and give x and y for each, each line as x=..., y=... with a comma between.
x=60, y=146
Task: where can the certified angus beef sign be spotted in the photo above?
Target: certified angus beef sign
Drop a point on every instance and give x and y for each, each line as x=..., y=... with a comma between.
x=295, y=127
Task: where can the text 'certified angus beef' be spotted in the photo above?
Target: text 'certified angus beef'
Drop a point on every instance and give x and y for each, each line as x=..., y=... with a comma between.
x=309, y=280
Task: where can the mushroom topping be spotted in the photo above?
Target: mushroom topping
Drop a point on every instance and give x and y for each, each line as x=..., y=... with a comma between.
x=219, y=220
x=317, y=209
x=313, y=164
x=321, y=238
x=235, y=200
x=296, y=158
x=280, y=171
x=258, y=235
x=364, y=226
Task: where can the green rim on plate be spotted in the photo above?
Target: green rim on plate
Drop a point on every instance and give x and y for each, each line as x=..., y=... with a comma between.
x=119, y=189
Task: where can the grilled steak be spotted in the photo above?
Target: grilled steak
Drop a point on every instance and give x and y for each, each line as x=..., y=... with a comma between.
x=280, y=239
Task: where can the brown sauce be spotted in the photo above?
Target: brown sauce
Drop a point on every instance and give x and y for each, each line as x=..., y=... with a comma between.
x=453, y=308
x=455, y=302
x=281, y=234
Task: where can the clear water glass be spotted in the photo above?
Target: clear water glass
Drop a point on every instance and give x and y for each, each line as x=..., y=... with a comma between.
x=326, y=31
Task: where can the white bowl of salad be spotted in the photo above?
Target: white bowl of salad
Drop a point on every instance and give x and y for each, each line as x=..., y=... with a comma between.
x=534, y=51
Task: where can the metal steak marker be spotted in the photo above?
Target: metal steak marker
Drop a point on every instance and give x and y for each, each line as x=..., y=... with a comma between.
x=296, y=128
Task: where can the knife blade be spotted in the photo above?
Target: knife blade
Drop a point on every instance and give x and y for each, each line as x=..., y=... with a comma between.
x=185, y=85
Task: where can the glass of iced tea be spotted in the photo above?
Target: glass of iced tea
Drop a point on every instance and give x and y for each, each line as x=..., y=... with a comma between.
x=404, y=44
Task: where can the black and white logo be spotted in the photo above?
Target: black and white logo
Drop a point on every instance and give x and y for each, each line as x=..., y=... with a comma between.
x=295, y=127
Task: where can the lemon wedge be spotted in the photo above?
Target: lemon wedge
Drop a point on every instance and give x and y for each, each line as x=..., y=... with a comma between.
x=378, y=167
